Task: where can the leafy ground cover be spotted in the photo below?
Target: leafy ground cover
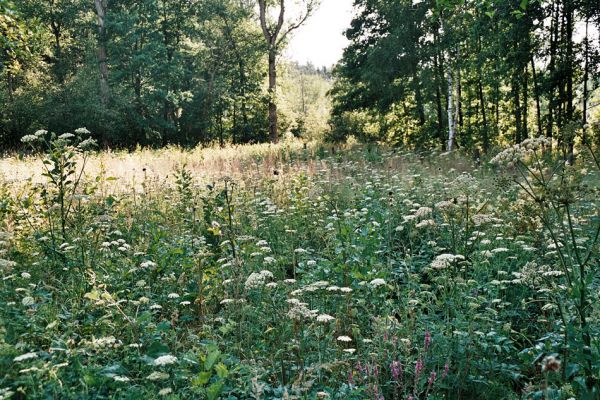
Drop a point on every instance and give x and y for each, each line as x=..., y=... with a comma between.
x=298, y=272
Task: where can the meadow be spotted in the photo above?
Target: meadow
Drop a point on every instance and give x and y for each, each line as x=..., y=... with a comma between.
x=298, y=271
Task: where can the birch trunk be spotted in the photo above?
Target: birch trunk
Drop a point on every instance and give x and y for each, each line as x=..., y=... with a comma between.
x=102, y=64
x=451, y=119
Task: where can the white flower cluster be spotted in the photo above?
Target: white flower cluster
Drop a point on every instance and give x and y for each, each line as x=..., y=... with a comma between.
x=423, y=212
x=445, y=205
x=258, y=279
x=443, y=261
x=165, y=360
x=521, y=151
x=481, y=219
x=299, y=310
x=325, y=318
x=24, y=357
x=377, y=282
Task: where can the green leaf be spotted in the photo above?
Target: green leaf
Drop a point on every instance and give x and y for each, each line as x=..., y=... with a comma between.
x=202, y=379
x=214, y=390
x=157, y=348
x=524, y=4
x=221, y=370
x=211, y=358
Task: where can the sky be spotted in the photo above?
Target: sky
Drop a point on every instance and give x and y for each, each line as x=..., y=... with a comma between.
x=321, y=40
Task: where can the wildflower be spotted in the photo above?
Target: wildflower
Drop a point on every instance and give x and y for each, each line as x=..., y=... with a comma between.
x=377, y=282
x=345, y=290
x=165, y=360
x=157, y=376
x=82, y=131
x=444, y=205
x=322, y=395
x=425, y=223
x=311, y=263
x=299, y=311
x=148, y=264
x=165, y=391
x=324, y=318
x=422, y=212
x=431, y=378
x=25, y=275
x=29, y=139
x=257, y=279
x=550, y=363
x=443, y=261
x=344, y=339
x=104, y=341
x=173, y=296
x=446, y=369
x=120, y=378
x=28, y=301
x=24, y=357
x=351, y=351
x=87, y=144
x=427, y=340
x=185, y=303
x=66, y=136
x=396, y=369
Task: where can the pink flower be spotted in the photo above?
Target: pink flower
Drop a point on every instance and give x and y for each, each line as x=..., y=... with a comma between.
x=427, y=340
x=396, y=368
x=446, y=369
x=431, y=378
x=418, y=367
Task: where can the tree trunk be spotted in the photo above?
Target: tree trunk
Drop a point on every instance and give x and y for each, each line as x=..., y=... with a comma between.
x=586, y=69
x=536, y=93
x=525, y=134
x=272, y=96
x=486, y=138
x=569, y=11
x=517, y=106
x=439, y=77
x=451, y=120
x=102, y=64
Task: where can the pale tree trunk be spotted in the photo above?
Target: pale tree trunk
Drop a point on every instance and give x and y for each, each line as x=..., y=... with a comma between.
x=451, y=119
x=273, y=97
x=585, y=83
x=102, y=64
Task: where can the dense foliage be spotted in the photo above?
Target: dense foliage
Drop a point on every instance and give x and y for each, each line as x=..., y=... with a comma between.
x=138, y=72
x=468, y=73
x=286, y=272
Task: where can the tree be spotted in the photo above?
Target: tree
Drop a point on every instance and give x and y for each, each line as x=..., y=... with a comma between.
x=275, y=34
x=102, y=64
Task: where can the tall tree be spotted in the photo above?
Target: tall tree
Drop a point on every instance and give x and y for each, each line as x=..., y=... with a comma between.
x=275, y=34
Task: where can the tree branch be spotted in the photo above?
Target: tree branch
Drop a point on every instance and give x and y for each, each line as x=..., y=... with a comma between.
x=310, y=7
x=263, y=20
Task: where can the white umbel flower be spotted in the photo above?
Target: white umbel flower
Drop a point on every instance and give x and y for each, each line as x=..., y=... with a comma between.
x=165, y=360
